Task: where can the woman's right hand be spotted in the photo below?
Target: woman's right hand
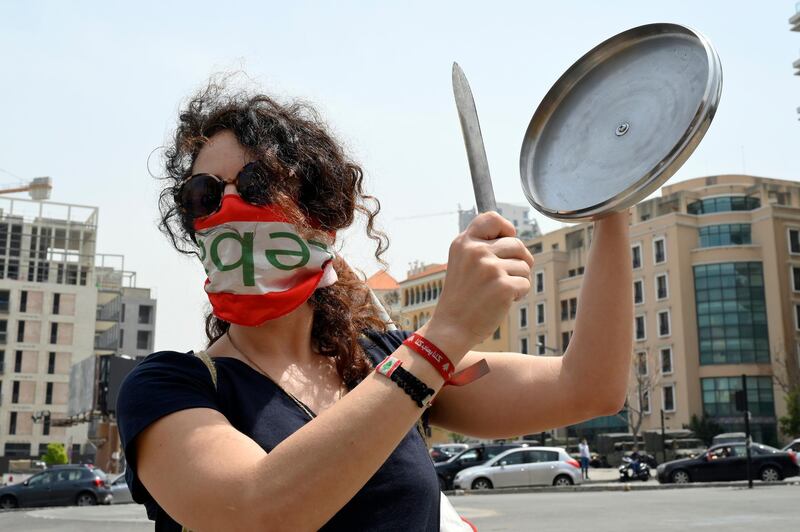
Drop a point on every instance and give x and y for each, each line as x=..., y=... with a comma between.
x=487, y=270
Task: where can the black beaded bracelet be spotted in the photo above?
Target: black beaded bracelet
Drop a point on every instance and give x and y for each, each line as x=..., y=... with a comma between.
x=419, y=391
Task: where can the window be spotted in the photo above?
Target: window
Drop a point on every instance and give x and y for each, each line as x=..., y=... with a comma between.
x=536, y=248
x=3, y=329
x=18, y=450
x=4, y=300
x=15, y=392
x=23, y=301
x=540, y=313
x=723, y=204
x=666, y=360
x=51, y=363
x=641, y=363
x=54, y=333
x=495, y=336
x=20, y=331
x=662, y=288
x=639, y=327
x=663, y=323
x=796, y=278
x=797, y=317
x=523, y=317
x=48, y=394
x=122, y=313
x=12, y=423
x=56, y=303
x=668, y=397
x=636, y=252
x=719, y=393
x=146, y=311
x=794, y=240
x=638, y=292
x=725, y=235
x=564, y=341
x=539, y=282
x=523, y=345
x=564, y=310
x=645, y=402
x=540, y=344
x=143, y=340
x=573, y=308
x=659, y=251
x=122, y=337
x=18, y=362
x=731, y=313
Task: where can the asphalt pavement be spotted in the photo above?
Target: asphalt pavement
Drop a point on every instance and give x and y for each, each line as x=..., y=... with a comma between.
x=708, y=509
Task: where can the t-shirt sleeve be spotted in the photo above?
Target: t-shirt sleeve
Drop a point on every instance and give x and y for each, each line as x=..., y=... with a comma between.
x=163, y=383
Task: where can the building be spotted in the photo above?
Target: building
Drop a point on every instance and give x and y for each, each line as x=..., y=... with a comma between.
x=518, y=215
x=47, y=312
x=716, y=268
x=794, y=22
x=387, y=290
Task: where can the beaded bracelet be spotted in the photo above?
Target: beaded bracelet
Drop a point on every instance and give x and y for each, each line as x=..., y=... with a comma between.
x=420, y=393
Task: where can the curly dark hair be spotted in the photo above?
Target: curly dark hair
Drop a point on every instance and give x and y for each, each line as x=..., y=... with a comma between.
x=311, y=178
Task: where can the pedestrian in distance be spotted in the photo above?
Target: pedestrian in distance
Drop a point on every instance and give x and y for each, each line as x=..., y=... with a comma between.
x=301, y=412
x=586, y=456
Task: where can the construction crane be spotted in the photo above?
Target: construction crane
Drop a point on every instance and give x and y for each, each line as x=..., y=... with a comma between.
x=39, y=188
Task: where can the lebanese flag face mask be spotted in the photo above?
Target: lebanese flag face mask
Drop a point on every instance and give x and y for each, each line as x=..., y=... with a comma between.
x=259, y=268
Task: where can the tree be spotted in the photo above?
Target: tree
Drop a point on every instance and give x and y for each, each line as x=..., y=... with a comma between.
x=56, y=454
x=704, y=428
x=646, y=376
x=455, y=437
x=790, y=423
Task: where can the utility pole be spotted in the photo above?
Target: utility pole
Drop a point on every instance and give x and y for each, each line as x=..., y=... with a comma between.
x=663, y=439
x=742, y=406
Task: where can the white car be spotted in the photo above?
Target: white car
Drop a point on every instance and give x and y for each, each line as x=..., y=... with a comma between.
x=526, y=466
x=119, y=488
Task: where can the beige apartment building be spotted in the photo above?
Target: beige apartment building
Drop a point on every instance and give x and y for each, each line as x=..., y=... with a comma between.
x=716, y=269
x=47, y=317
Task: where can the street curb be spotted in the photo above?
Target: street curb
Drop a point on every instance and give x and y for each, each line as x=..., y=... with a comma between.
x=616, y=487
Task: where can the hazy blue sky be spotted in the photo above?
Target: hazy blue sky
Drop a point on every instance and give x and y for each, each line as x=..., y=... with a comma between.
x=89, y=89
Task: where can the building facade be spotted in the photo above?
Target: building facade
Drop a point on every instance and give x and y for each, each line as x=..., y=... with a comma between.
x=387, y=290
x=47, y=312
x=716, y=269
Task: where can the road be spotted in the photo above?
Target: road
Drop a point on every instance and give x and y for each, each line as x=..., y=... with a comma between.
x=772, y=508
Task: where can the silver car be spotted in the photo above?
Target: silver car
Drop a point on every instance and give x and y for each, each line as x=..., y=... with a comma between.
x=527, y=466
x=119, y=488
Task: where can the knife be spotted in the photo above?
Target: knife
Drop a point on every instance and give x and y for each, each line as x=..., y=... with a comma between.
x=473, y=140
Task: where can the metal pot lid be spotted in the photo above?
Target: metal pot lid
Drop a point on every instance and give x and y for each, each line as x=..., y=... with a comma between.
x=620, y=122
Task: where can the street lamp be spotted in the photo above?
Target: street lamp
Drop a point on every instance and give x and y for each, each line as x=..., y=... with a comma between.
x=548, y=348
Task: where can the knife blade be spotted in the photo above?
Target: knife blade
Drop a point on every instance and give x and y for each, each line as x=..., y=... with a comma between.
x=473, y=140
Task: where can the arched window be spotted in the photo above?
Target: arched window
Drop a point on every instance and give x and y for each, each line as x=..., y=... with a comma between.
x=430, y=297
x=435, y=290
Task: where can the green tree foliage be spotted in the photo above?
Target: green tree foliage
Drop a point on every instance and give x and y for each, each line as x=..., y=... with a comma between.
x=56, y=454
x=790, y=423
x=704, y=428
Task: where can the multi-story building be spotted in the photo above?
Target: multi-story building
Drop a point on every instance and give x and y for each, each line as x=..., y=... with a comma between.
x=716, y=269
x=387, y=290
x=518, y=215
x=47, y=310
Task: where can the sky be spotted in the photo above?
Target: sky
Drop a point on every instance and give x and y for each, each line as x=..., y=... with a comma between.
x=90, y=90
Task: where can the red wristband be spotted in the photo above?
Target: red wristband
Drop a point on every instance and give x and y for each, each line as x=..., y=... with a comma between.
x=432, y=354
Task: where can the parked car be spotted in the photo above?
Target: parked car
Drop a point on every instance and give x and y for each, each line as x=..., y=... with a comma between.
x=528, y=466
x=120, y=491
x=475, y=455
x=729, y=462
x=59, y=485
x=793, y=446
x=442, y=452
x=729, y=437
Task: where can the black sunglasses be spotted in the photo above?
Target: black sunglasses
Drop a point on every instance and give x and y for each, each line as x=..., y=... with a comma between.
x=200, y=195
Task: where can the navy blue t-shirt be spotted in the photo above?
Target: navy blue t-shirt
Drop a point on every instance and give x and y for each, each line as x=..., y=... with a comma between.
x=402, y=495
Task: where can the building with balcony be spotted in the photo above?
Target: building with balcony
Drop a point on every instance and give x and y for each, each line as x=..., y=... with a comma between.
x=716, y=272
x=47, y=309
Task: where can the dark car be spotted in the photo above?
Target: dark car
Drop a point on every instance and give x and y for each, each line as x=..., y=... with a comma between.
x=729, y=462
x=475, y=455
x=60, y=485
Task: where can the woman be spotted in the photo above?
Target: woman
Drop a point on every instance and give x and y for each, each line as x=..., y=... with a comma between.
x=296, y=431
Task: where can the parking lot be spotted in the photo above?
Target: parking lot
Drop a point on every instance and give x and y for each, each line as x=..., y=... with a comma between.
x=773, y=508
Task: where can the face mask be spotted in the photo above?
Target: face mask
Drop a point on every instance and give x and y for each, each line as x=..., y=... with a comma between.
x=259, y=268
